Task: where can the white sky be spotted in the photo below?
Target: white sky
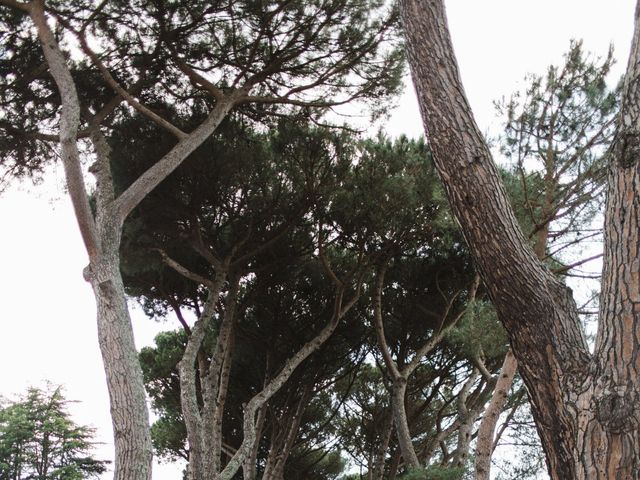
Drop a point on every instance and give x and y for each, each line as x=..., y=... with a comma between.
x=47, y=321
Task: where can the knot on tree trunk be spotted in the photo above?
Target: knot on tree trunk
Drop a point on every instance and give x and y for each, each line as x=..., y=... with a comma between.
x=626, y=148
x=618, y=411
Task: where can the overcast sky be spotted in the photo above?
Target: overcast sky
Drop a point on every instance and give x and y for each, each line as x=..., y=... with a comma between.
x=47, y=320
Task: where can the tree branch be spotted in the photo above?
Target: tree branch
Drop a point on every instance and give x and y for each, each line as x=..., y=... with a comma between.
x=69, y=123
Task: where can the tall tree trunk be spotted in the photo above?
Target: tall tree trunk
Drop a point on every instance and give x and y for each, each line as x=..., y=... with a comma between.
x=585, y=406
x=130, y=419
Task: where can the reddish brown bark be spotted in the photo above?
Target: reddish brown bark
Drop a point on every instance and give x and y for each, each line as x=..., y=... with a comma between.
x=585, y=406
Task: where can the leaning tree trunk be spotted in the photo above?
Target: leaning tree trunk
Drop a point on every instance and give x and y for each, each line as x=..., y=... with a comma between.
x=585, y=406
x=486, y=430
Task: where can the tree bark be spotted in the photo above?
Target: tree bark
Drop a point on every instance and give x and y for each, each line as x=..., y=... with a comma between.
x=585, y=406
x=484, y=442
x=130, y=418
x=467, y=419
x=402, y=425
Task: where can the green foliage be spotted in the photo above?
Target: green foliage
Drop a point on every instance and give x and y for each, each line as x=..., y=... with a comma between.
x=295, y=58
x=479, y=333
x=435, y=472
x=39, y=440
x=556, y=137
x=159, y=368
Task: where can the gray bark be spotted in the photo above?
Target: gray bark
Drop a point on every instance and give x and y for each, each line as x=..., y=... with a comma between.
x=250, y=424
x=124, y=376
x=484, y=442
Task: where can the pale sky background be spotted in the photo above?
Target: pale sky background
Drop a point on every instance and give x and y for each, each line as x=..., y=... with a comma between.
x=47, y=316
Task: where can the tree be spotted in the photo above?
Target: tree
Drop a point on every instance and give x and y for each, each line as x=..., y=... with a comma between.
x=583, y=403
x=556, y=135
x=39, y=440
x=211, y=59
x=222, y=229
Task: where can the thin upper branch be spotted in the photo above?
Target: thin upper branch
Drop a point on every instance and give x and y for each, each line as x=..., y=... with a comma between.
x=131, y=100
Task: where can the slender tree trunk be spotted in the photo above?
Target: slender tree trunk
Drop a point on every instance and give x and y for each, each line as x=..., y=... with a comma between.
x=402, y=425
x=249, y=467
x=400, y=376
x=188, y=396
x=292, y=433
x=341, y=307
x=216, y=383
x=379, y=461
x=129, y=414
x=484, y=442
x=585, y=406
x=467, y=419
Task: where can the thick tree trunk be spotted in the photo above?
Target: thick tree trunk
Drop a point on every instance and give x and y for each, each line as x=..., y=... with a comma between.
x=585, y=406
x=129, y=414
x=609, y=435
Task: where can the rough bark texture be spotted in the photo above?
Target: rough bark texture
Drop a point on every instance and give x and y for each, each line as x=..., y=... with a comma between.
x=216, y=382
x=188, y=396
x=129, y=413
x=585, y=407
x=484, y=442
x=69, y=124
